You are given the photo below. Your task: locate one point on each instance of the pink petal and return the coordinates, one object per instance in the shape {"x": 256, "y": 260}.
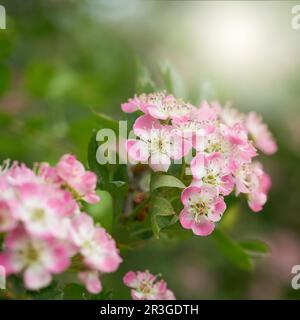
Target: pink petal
{"x": 36, "y": 277}
{"x": 130, "y": 279}
{"x": 160, "y": 162}
{"x": 186, "y": 219}
{"x": 137, "y": 150}
{"x": 204, "y": 228}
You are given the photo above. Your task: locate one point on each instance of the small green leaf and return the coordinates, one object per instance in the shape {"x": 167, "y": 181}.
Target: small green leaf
{"x": 232, "y": 251}
{"x": 159, "y": 181}
{"x": 255, "y": 247}
{"x": 162, "y": 215}
{"x": 161, "y": 207}
{"x": 106, "y": 121}
{"x": 102, "y": 212}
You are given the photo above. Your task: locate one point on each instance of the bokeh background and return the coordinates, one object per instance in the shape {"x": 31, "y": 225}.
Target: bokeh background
{"x": 59, "y": 59}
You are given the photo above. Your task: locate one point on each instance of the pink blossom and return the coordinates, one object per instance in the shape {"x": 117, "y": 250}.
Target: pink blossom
{"x": 253, "y": 181}
{"x": 19, "y": 174}
{"x": 82, "y": 183}
{"x": 260, "y": 133}
{"x": 91, "y": 281}
{"x": 202, "y": 208}
{"x": 95, "y": 245}
{"x": 159, "y": 105}
{"x": 228, "y": 115}
{"x": 157, "y": 144}
{"x": 37, "y": 259}
{"x": 7, "y": 218}
{"x": 43, "y": 209}
{"x": 145, "y": 286}
{"x": 142, "y": 102}
{"x": 170, "y": 108}
{"x": 200, "y": 122}
{"x": 212, "y": 171}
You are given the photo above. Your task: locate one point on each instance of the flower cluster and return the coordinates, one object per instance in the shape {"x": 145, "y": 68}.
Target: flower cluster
{"x": 44, "y": 228}
{"x": 145, "y": 286}
{"x": 225, "y": 142}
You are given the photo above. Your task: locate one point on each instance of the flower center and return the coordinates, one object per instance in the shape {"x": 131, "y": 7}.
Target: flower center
{"x": 210, "y": 179}
{"x": 198, "y": 209}
{"x": 38, "y": 214}
{"x": 145, "y": 287}
{"x": 31, "y": 255}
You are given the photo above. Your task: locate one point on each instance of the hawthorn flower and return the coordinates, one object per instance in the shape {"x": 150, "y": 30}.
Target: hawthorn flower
{"x": 251, "y": 180}
{"x": 212, "y": 171}
{"x": 43, "y": 209}
{"x": 142, "y": 102}
{"x": 157, "y": 144}
{"x": 203, "y": 206}
{"x": 260, "y": 133}
{"x": 94, "y": 244}
{"x": 159, "y": 105}
{"x": 229, "y": 115}
{"x": 43, "y": 227}
{"x": 200, "y": 122}
{"x": 37, "y": 259}
{"x": 231, "y": 143}
{"x": 170, "y": 108}
{"x": 145, "y": 286}
{"x": 81, "y": 183}
{"x": 7, "y": 218}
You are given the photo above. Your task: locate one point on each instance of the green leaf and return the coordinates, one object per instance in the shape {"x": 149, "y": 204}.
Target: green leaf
{"x": 102, "y": 212}
{"x": 230, "y": 217}
{"x": 162, "y": 207}
{"x": 106, "y": 121}
{"x": 159, "y": 181}
{"x": 53, "y": 292}
{"x": 172, "y": 80}
{"x": 162, "y": 214}
{"x": 232, "y": 251}
{"x": 255, "y": 247}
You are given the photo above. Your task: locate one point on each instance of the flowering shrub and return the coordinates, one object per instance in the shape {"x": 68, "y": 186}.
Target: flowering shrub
{"x": 224, "y": 141}
{"x": 186, "y": 162}
{"x": 45, "y": 228}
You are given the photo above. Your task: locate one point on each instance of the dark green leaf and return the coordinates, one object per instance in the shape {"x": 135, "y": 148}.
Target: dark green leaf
{"x": 107, "y": 122}
{"x": 232, "y": 251}
{"x": 255, "y": 247}
{"x": 162, "y": 214}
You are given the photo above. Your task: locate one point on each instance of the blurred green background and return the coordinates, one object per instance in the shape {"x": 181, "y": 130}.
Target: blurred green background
{"x": 59, "y": 59}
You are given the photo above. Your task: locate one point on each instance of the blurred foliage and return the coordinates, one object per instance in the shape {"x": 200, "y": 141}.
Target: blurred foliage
{"x": 64, "y": 64}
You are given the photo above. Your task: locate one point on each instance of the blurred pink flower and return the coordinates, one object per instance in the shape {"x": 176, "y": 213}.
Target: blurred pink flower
{"x": 145, "y": 286}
